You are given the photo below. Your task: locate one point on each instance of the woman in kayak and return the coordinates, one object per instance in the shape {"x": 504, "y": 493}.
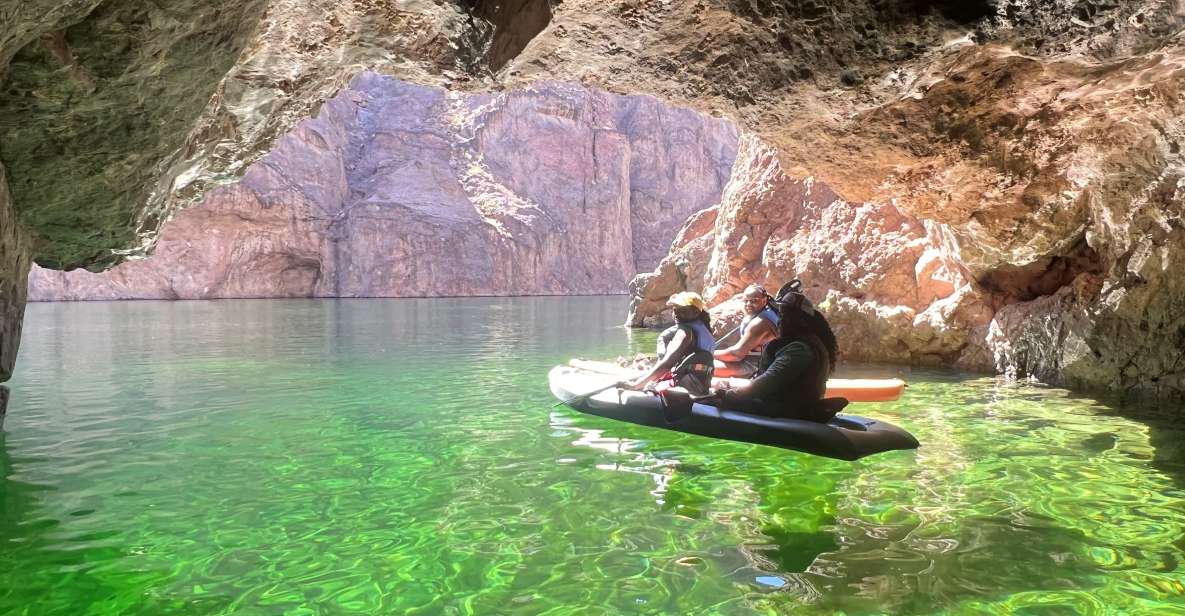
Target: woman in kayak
{"x": 759, "y": 328}
{"x": 685, "y": 349}
{"x": 792, "y": 378}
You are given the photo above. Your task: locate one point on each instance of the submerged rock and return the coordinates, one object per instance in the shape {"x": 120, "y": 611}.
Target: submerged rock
{"x": 398, "y": 190}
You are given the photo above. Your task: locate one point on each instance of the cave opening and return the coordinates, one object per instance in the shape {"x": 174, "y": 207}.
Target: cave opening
{"x": 1044, "y": 276}
{"x": 591, "y": 188}
{"x": 501, "y": 29}
{"x": 964, "y": 12}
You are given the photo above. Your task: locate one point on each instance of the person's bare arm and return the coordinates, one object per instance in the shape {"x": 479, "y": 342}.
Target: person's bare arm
{"x": 666, "y": 363}
{"x": 754, "y": 336}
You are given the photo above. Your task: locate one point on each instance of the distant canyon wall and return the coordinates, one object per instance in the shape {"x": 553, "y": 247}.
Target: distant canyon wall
{"x": 1020, "y": 159}
{"x": 399, "y": 190}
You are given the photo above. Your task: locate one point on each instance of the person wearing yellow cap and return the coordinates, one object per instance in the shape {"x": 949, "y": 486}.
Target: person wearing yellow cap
{"x": 685, "y": 349}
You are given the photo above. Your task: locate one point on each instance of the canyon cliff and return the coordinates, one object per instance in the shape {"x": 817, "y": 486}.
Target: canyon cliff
{"x": 1019, "y": 159}
{"x": 1010, "y": 212}
{"x": 399, "y": 190}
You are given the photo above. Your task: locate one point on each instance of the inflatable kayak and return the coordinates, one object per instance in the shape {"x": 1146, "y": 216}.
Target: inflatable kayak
{"x": 855, "y": 390}
{"x": 845, "y": 437}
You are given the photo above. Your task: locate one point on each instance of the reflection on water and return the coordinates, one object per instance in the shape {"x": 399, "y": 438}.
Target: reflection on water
{"x": 403, "y": 456}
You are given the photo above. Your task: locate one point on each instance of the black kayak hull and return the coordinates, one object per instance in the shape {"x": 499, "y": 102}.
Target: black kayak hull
{"x": 846, "y": 437}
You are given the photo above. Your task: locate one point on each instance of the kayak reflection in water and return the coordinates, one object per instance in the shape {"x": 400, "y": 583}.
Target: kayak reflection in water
{"x": 685, "y": 349}
{"x": 792, "y": 377}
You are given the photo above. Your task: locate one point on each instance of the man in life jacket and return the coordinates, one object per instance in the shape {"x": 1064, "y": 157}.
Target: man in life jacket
{"x": 685, "y": 349}
{"x": 759, "y": 328}
{"x": 792, "y": 378}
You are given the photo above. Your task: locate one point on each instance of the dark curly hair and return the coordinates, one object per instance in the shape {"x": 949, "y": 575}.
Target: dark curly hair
{"x": 798, "y": 314}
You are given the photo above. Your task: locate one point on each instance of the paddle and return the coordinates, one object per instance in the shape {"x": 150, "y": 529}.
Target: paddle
{"x": 588, "y": 395}
{"x": 730, "y": 332}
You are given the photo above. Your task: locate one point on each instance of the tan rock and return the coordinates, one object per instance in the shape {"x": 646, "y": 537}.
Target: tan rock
{"x": 886, "y": 285}
{"x": 15, "y": 258}
{"x": 935, "y": 278}
{"x": 1029, "y": 145}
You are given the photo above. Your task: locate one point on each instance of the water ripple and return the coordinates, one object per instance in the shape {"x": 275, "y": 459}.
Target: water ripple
{"x": 404, "y": 457}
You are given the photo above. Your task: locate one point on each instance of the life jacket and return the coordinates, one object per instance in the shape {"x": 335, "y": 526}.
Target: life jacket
{"x": 701, "y": 337}
{"x": 767, "y": 313}
{"x": 694, "y": 369}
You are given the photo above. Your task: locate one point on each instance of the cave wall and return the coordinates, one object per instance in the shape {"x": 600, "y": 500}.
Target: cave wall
{"x": 15, "y": 259}
{"x": 1037, "y": 141}
{"x": 97, "y": 106}
{"x": 889, "y": 287}
{"x": 1033, "y": 149}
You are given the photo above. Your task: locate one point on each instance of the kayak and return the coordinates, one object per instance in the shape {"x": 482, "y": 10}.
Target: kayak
{"x": 845, "y": 437}
{"x": 855, "y": 390}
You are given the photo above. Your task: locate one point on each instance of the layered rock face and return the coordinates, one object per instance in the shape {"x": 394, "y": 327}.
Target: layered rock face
{"x": 398, "y": 190}
{"x": 1037, "y": 142}
{"x": 1049, "y": 183}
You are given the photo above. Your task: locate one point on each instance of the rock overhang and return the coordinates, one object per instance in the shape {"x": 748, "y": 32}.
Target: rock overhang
{"x": 905, "y": 103}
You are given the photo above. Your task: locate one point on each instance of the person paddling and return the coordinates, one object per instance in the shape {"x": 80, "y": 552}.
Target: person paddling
{"x": 685, "y": 349}
{"x": 759, "y": 328}
{"x": 792, "y": 378}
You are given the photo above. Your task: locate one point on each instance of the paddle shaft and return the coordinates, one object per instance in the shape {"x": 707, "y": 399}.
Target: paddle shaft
{"x": 589, "y": 394}
{"x": 730, "y": 332}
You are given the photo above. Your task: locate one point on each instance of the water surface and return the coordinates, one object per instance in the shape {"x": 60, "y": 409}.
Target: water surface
{"x": 403, "y": 456}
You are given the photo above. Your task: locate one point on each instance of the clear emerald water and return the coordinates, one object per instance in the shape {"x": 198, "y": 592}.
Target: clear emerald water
{"x": 403, "y": 457}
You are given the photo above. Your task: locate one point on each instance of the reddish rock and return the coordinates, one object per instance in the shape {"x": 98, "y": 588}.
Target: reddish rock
{"x": 888, "y": 286}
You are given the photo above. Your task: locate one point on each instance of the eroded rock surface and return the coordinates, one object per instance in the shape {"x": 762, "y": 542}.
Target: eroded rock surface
{"x": 1044, "y": 165}
{"x": 97, "y": 100}
{"x": 397, "y": 190}
{"x": 887, "y": 284}
{"x": 14, "y": 268}
{"x": 1037, "y": 142}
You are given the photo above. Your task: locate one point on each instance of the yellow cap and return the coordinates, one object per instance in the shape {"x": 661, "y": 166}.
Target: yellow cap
{"x": 687, "y": 298}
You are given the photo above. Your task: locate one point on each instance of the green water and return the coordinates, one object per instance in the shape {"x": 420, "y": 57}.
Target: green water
{"x": 403, "y": 457}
